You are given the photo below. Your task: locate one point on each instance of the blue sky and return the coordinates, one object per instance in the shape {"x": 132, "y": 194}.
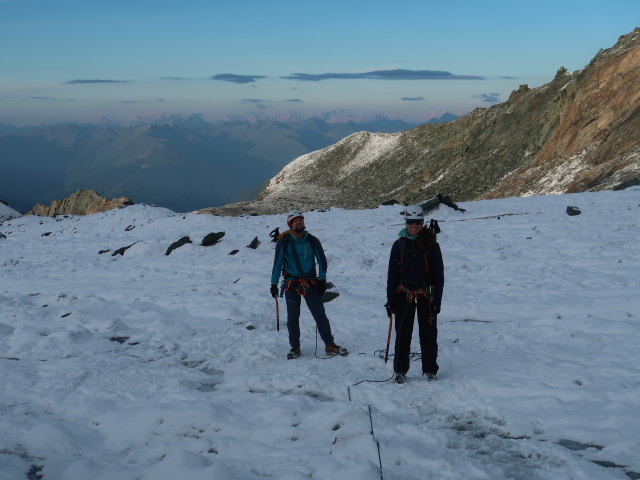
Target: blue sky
{"x": 82, "y": 60}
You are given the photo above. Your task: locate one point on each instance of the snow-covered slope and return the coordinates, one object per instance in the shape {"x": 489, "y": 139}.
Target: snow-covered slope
{"x": 148, "y": 366}
{"x": 7, "y": 213}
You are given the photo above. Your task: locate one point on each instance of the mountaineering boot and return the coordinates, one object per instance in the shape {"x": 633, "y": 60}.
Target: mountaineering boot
{"x": 399, "y": 378}
{"x": 332, "y": 349}
{"x": 294, "y": 353}
{"x": 431, "y": 377}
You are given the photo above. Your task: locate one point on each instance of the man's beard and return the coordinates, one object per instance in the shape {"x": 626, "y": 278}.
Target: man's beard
{"x": 298, "y": 229}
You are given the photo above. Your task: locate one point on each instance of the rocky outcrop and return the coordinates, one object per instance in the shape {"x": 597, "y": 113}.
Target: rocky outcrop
{"x": 579, "y": 132}
{"x": 81, "y": 202}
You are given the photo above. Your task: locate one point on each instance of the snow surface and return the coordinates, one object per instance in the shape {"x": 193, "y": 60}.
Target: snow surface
{"x": 539, "y": 349}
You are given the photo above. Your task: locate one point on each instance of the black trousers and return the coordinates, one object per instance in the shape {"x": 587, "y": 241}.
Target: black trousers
{"x": 428, "y": 336}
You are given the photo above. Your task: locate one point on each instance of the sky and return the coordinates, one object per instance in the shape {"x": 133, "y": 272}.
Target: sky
{"x": 74, "y": 60}
{"x": 147, "y": 366}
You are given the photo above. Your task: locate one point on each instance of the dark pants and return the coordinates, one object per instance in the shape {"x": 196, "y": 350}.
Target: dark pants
{"x": 428, "y": 336}
{"x": 316, "y": 307}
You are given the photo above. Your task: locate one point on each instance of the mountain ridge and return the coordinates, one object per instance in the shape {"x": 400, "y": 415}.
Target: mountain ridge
{"x": 579, "y": 132}
{"x": 180, "y": 163}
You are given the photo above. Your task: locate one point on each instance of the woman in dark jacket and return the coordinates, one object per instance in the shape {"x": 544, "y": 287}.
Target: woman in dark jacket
{"x": 414, "y": 282}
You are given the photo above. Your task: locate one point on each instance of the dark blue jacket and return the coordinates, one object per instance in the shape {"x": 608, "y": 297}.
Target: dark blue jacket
{"x": 415, "y": 268}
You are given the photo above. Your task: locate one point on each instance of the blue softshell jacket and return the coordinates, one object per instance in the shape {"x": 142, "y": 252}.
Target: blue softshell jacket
{"x": 296, "y": 258}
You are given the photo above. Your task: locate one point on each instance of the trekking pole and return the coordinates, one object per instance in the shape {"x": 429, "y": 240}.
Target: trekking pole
{"x": 386, "y": 354}
{"x": 277, "y": 316}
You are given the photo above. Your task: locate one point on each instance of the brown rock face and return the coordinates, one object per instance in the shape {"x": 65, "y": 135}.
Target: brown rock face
{"x": 579, "y": 132}
{"x": 597, "y": 141}
{"x": 81, "y": 202}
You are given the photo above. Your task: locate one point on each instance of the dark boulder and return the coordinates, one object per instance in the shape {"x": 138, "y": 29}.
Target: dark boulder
{"x": 572, "y": 211}
{"x": 121, "y": 251}
{"x": 254, "y": 243}
{"x": 178, "y": 244}
{"x": 212, "y": 239}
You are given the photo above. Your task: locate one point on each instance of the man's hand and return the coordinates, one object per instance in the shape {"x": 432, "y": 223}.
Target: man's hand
{"x": 322, "y": 286}
{"x": 435, "y": 309}
{"x": 274, "y": 290}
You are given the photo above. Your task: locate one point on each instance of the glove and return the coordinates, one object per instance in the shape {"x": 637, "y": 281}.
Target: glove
{"x": 322, "y": 286}
{"x": 435, "y": 309}
{"x": 274, "y": 290}
{"x": 391, "y": 307}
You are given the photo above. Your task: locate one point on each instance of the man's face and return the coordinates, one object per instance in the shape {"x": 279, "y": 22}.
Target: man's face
{"x": 298, "y": 225}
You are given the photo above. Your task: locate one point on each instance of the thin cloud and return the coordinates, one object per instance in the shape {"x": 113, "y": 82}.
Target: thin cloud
{"x": 398, "y": 74}
{"x": 488, "y": 97}
{"x": 84, "y": 81}
{"x": 254, "y": 100}
{"x": 155, "y": 100}
{"x": 233, "y": 78}
{"x": 505, "y": 77}
{"x": 176, "y": 78}
{"x": 50, "y": 99}
{"x": 293, "y": 100}
{"x": 413, "y": 99}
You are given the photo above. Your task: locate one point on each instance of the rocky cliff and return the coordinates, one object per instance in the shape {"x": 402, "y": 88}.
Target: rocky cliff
{"x": 579, "y": 132}
{"x": 81, "y": 202}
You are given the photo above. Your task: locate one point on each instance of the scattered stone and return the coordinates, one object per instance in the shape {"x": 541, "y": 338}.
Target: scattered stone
{"x": 573, "y": 445}
{"x": 64, "y": 315}
{"x": 178, "y": 244}
{"x": 212, "y": 239}
{"x": 104, "y": 251}
{"x": 119, "y": 339}
{"x": 393, "y": 201}
{"x": 46, "y": 234}
{"x": 250, "y": 327}
{"x": 121, "y": 251}
{"x": 572, "y": 211}
{"x": 129, "y": 228}
{"x": 2, "y": 235}
{"x": 233, "y": 252}
{"x": 254, "y": 243}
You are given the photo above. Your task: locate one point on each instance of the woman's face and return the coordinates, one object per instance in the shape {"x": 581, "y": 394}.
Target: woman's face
{"x": 414, "y": 227}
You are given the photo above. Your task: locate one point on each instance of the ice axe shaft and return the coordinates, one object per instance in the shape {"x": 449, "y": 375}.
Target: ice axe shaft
{"x": 386, "y": 354}
{"x": 277, "y": 316}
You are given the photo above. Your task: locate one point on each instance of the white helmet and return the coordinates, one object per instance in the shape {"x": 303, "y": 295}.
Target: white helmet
{"x": 414, "y": 212}
{"x": 292, "y": 216}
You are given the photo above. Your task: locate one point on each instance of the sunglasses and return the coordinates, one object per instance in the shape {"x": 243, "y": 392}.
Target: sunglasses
{"x": 415, "y": 222}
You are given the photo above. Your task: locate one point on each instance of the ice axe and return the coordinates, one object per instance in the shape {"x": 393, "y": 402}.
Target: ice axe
{"x": 277, "y": 315}
{"x": 386, "y": 353}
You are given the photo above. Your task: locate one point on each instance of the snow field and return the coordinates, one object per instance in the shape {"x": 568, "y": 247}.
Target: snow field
{"x": 147, "y": 366}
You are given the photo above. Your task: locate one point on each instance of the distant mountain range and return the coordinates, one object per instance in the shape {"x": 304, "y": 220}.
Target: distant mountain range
{"x": 180, "y": 163}
{"x": 580, "y": 132}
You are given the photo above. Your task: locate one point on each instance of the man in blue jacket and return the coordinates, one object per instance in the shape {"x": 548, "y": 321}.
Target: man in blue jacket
{"x": 414, "y": 282}
{"x": 295, "y": 258}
